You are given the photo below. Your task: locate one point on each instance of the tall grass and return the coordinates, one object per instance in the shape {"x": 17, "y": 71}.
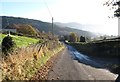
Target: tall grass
{"x": 25, "y": 62}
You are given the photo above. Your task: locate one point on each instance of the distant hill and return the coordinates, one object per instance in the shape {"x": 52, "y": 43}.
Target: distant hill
{"x": 75, "y": 25}
{"x": 70, "y": 24}
{"x": 42, "y": 26}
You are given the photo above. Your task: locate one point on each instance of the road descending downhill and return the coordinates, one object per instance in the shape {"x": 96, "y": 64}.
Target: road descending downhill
{"x": 72, "y": 65}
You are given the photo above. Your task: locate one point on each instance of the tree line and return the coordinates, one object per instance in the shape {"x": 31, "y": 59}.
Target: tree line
{"x": 72, "y": 37}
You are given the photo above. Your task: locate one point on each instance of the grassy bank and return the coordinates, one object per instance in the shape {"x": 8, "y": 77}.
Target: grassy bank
{"x": 23, "y": 64}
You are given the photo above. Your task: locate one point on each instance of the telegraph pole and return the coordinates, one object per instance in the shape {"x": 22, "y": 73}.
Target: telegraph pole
{"x": 51, "y": 16}
{"x": 52, "y": 28}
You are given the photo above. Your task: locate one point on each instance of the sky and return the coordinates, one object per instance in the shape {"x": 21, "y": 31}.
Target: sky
{"x": 87, "y": 12}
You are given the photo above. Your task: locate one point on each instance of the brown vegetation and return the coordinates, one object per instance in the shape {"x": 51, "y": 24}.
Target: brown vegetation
{"x": 25, "y": 62}
{"x": 25, "y": 29}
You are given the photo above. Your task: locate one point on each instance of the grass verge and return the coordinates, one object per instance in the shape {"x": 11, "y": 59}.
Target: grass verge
{"x": 24, "y": 64}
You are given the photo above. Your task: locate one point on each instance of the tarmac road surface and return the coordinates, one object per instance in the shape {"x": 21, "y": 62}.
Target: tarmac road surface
{"x": 73, "y": 65}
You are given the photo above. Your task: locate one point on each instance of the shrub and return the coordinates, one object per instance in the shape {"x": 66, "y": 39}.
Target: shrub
{"x": 82, "y": 39}
{"x": 7, "y": 45}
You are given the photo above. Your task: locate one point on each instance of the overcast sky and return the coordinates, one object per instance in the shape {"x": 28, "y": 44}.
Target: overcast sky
{"x": 81, "y": 11}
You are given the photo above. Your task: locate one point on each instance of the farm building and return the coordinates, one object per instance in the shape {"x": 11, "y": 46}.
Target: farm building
{"x": 9, "y": 30}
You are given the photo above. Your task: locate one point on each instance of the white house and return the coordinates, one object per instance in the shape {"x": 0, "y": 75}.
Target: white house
{"x": 9, "y": 30}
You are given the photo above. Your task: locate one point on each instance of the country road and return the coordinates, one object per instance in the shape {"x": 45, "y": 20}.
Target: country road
{"x": 73, "y": 65}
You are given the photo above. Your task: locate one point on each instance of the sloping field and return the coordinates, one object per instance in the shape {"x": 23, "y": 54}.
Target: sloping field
{"x": 20, "y": 40}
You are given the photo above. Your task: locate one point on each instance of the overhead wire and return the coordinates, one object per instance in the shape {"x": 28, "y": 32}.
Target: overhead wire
{"x": 48, "y": 8}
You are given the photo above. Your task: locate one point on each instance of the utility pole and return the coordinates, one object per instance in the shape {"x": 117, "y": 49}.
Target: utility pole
{"x": 52, "y": 28}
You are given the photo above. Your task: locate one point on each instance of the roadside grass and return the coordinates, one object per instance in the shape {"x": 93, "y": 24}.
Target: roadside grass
{"x": 21, "y": 40}
{"x": 32, "y": 68}
{"x": 25, "y": 63}
{"x": 22, "y": 64}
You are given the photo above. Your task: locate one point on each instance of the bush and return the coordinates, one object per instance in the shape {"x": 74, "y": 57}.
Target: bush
{"x": 82, "y": 39}
{"x": 7, "y": 45}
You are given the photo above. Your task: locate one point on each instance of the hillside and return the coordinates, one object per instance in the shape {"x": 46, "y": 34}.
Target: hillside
{"x": 70, "y": 24}
{"x": 43, "y": 26}
{"x": 25, "y": 29}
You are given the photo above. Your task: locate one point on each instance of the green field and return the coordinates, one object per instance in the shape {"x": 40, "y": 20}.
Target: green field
{"x": 21, "y": 40}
